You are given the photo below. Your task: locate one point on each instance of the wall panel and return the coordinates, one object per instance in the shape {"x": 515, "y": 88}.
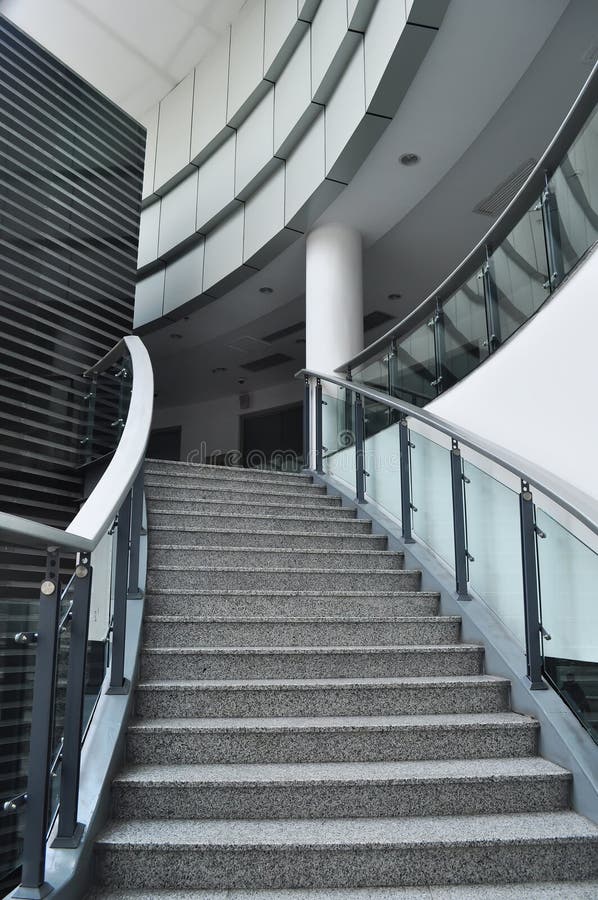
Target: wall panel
{"x": 246, "y": 59}
{"x": 177, "y": 218}
{"x": 173, "y": 150}
{"x": 210, "y": 97}
{"x": 255, "y": 147}
{"x": 216, "y": 185}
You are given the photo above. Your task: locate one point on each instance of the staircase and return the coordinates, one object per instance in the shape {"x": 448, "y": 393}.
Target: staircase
{"x": 306, "y": 719}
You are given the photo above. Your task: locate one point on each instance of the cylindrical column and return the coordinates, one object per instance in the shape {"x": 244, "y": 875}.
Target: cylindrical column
{"x": 333, "y": 297}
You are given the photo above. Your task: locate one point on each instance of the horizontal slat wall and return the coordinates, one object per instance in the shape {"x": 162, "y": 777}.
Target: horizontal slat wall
{"x": 71, "y": 173}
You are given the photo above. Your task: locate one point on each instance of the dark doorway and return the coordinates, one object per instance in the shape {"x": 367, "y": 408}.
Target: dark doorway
{"x": 273, "y": 439}
{"x": 165, "y": 443}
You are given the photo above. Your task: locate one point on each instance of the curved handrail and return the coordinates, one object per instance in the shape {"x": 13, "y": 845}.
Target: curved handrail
{"x": 95, "y": 516}
{"x": 519, "y": 205}
{"x": 569, "y": 498}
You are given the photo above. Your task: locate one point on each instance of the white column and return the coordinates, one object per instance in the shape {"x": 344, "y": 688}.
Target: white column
{"x": 333, "y": 305}
{"x": 333, "y": 297}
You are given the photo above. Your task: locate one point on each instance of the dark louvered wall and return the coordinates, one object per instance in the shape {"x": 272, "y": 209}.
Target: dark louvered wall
{"x": 71, "y": 167}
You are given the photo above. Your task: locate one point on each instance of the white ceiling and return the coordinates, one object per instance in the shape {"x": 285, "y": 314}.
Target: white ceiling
{"x": 134, "y": 51}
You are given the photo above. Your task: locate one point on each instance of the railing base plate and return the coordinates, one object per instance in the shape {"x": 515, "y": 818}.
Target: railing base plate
{"x": 123, "y": 689}
{"x": 69, "y": 843}
{"x": 33, "y": 893}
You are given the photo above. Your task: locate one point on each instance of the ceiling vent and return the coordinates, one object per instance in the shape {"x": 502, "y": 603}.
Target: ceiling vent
{"x": 501, "y": 196}
{"x": 375, "y": 319}
{"x": 284, "y": 332}
{"x": 266, "y": 362}
{"x": 247, "y": 344}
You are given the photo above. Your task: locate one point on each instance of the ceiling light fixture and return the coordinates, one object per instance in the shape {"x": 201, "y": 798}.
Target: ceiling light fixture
{"x": 409, "y": 159}
{"x": 218, "y": 370}
{"x": 176, "y": 337}
{"x": 266, "y": 290}
{"x": 394, "y": 296}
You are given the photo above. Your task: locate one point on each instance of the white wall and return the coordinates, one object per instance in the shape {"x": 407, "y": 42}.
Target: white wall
{"x": 537, "y": 395}
{"x": 214, "y": 425}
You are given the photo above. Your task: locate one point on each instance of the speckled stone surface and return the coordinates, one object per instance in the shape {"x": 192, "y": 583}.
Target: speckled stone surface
{"x": 309, "y": 662}
{"x": 292, "y": 539}
{"x": 329, "y": 520}
{"x": 291, "y": 603}
{"x": 329, "y": 739}
{"x": 332, "y": 790}
{"x": 348, "y": 852}
{"x": 227, "y": 493}
{"x": 349, "y": 696}
{"x": 193, "y": 482}
{"x": 258, "y": 557}
{"x": 280, "y": 508}
{"x": 276, "y": 579}
{"x": 174, "y": 631}
{"x": 226, "y": 473}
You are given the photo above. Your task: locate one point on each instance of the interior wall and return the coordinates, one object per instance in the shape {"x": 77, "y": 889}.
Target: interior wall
{"x": 214, "y": 426}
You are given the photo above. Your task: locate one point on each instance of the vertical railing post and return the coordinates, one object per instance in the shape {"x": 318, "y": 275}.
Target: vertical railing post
{"x": 491, "y": 302}
{"x": 136, "y": 519}
{"x": 69, "y": 831}
{"x": 87, "y": 441}
{"x": 406, "y": 504}
{"x": 319, "y": 403}
{"x": 360, "y": 473}
{"x": 530, "y": 588}
{"x": 33, "y": 882}
{"x": 393, "y": 377}
{"x": 306, "y": 417}
{"x": 461, "y": 552}
{"x": 439, "y": 348}
{"x": 552, "y": 237}
{"x": 118, "y": 683}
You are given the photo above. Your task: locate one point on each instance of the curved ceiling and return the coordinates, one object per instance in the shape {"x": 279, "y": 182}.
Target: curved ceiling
{"x": 134, "y": 51}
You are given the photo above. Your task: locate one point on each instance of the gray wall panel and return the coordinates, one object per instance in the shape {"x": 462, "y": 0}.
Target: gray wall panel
{"x": 255, "y": 146}
{"x": 305, "y": 168}
{"x": 216, "y": 185}
{"x": 345, "y": 109}
{"x": 224, "y": 250}
{"x": 306, "y": 9}
{"x": 328, "y": 31}
{"x": 150, "y": 122}
{"x": 184, "y": 278}
{"x": 264, "y": 214}
{"x": 174, "y": 133}
{"x": 210, "y": 99}
{"x": 386, "y": 25}
{"x": 292, "y": 99}
{"x": 282, "y": 32}
{"x": 177, "y": 219}
{"x": 149, "y": 298}
{"x": 246, "y": 58}
{"x": 149, "y": 227}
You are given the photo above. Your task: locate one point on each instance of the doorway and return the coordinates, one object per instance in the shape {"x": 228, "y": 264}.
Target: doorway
{"x": 273, "y": 439}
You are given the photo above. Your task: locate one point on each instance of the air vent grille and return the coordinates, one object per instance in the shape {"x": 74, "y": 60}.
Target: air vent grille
{"x": 501, "y": 196}
{"x": 285, "y": 332}
{"x": 375, "y": 319}
{"x": 267, "y": 362}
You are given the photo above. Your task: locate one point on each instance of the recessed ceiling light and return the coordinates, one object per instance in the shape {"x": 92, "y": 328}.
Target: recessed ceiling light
{"x": 266, "y": 290}
{"x": 409, "y": 159}
{"x": 176, "y": 337}
{"x": 218, "y": 370}
{"x": 394, "y": 296}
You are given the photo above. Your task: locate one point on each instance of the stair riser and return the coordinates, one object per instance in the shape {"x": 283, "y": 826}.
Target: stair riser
{"x": 219, "y": 473}
{"x": 275, "y": 522}
{"x": 292, "y": 559}
{"x": 256, "y": 498}
{"x": 353, "y": 700}
{"x": 248, "y": 538}
{"x": 246, "y": 486}
{"x": 395, "y": 664}
{"x": 237, "y": 605}
{"x": 265, "y": 580}
{"x": 298, "y": 634}
{"x": 279, "y": 515}
{"x": 348, "y": 866}
{"x": 358, "y": 745}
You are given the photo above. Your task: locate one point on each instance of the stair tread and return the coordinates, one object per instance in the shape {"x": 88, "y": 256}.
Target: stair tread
{"x": 336, "y": 723}
{"x": 303, "y": 570}
{"x": 230, "y": 471}
{"x": 307, "y": 651}
{"x": 308, "y": 683}
{"x": 197, "y": 592}
{"x": 246, "y": 620}
{"x": 279, "y": 534}
{"x": 514, "y": 828}
{"x": 465, "y": 770}
{"x": 312, "y": 551}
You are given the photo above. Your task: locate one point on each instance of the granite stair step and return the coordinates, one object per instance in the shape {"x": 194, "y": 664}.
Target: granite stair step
{"x": 182, "y": 663}
{"x": 365, "y": 738}
{"x": 296, "y": 539}
{"x": 327, "y": 508}
{"x": 357, "y": 852}
{"x": 192, "y": 481}
{"x": 226, "y": 578}
{"x": 323, "y": 697}
{"x": 227, "y": 493}
{"x": 256, "y": 557}
{"x": 277, "y": 522}
{"x": 291, "y": 603}
{"x": 340, "y": 790}
{"x": 224, "y": 473}
{"x": 187, "y": 631}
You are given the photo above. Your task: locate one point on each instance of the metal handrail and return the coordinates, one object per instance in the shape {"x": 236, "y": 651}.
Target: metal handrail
{"x": 519, "y": 205}
{"x": 94, "y": 518}
{"x": 571, "y": 499}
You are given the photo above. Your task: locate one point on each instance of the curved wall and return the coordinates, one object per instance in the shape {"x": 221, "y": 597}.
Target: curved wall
{"x": 250, "y": 148}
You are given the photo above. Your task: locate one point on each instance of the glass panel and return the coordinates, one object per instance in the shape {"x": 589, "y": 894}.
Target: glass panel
{"x": 374, "y": 374}
{"x": 575, "y": 186}
{"x": 416, "y": 367}
{"x": 568, "y": 583}
{"x": 338, "y": 436}
{"x": 432, "y": 496}
{"x": 377, "y": 417}
{"x": 107, "y": 407}
{"x": 464, "y": 331}
{"x": 519, "y": 270}
{"x": 382, "y": 461}
{"x": 494, "y": 541}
